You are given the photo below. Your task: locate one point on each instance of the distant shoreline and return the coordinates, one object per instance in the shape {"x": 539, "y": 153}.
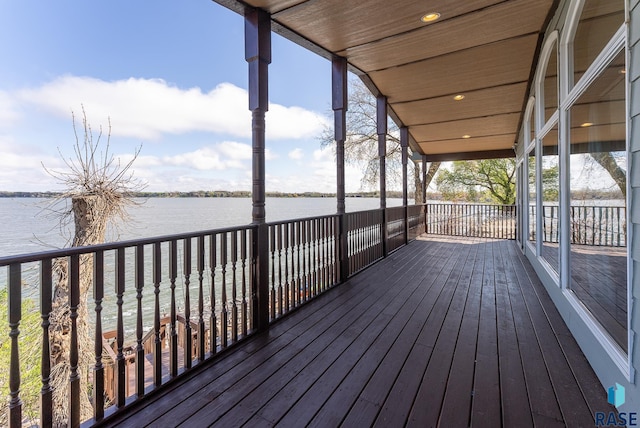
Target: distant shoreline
{"x": 212, "y": 194}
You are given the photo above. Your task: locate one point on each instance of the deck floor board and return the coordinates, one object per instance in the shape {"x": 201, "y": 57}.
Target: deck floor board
{"x": 446, "y": 331}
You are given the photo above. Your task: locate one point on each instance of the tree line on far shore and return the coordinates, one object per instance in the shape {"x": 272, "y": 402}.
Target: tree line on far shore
{"x": 212, "y": 194}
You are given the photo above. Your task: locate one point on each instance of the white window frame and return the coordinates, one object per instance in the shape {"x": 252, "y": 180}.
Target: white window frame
{"x": 529, "y": 145}
{"x": 542, "y": 129}
{"x": 569, "y": 94}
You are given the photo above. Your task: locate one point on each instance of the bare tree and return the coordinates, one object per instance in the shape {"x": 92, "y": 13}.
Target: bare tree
{"x": 361, "y": 145}
{"x": 99, "y": 189}
{"x": 431, "y": 173}
{"x": 607, "y": 161}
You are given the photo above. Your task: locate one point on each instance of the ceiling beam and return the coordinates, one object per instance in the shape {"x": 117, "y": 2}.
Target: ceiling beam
{"x": 486, "y": 154}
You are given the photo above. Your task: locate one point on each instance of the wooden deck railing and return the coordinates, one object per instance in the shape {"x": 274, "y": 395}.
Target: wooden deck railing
{"x": 481, "y": 220}
{"x": 416, "y": 220}
{"x": 590, "y": 225}
{"x": 395, "y": 228}
{"x": 201, "y": 277}
{"x": 303, "y": 261}
{"x": 163, "y": 305}
{"x": 364, "y": 239}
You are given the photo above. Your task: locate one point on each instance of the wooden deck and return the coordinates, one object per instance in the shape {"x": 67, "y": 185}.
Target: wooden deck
{"x": 445, "y": 331}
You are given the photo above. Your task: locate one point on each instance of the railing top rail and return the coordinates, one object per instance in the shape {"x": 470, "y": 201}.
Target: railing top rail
{"x": 63, "y": 252}
{"x": 398, "y": 208}
{"x": 590, "y": 206}
{"x": 470, "y": 203}
{"x": 375, "y": 210}
{"x": 320, "y": 217}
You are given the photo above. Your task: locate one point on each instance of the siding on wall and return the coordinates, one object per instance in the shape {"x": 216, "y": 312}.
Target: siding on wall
{"x": 634, "y": 174}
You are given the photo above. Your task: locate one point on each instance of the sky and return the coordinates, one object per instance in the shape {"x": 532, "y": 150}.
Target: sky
{"x": 170, "y": 77}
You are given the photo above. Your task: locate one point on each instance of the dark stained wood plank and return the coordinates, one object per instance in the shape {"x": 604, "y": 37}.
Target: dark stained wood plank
{"x": 456, "y": 405}
{"x": 544, "y": 406}
{"x": 434, "y": 381}
{"x": 397, "y": 406}
{"x": 486, "y": 386}
{"x": 365, "y": 410}
{"x": 569, "y": 397}
{"x": 513, "y": 389}
{"x": 345, "y": 381}
{"x": 591, "y": 388}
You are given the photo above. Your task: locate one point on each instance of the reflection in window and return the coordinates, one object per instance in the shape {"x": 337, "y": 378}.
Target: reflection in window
{"x": 551, "y": 85}
{"x": 532, "y": 125}
{"x": 598, "y": 200}
{"x": 599, "y": 21}
{"x": 550, "y": 198}
{"x": 532, "y": 195}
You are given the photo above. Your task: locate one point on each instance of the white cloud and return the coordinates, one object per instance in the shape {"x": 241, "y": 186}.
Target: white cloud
{"x": 296, "y": 154}
{"x": 293, "y": 122}
{"x": 8, "y": 112}
{"x": 217, "y": 157}
{"x": 234, "y": 150}
{"x": 324, "y": 171}
{"x": 150, "y": 108}
{"x": 21, "y": 167}
{"x": 240, "y": 151}
{"x": 203, "y": 159}
{"x": 23, "y": 156}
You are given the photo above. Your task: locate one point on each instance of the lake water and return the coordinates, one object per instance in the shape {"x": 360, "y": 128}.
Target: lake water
{"x": 29, "y": 227}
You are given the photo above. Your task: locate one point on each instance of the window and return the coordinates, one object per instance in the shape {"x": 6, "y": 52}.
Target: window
{"x": 547, "y": 137}
{"x": 532, "y": 194}
{"x": 550, "y": 233}
{"x": 599, "y": 21}
{"x": 529, "y": 168}
{"x": 598, "y": 199}
{"x": 551, "y": 85}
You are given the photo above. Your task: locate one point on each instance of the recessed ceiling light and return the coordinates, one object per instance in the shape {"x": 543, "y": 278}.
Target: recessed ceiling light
{"x": 466, "y": 136}
{"x": 459, "y": 97}
{"x": 430, "y": 17}
{"x": 586, "y": 124}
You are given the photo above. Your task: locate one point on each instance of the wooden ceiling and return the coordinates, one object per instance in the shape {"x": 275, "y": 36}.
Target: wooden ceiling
{"x": 483, "y": 49}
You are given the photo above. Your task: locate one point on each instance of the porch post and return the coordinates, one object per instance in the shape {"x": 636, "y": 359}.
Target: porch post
{"x": 404, "y": 143}
{"x": 339, "y": 105}
{"x": 257, "y": 33}
{"x": 382, "y": 154}
{"x": 424, "y": 179}
{"x": 424, "y": 192}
